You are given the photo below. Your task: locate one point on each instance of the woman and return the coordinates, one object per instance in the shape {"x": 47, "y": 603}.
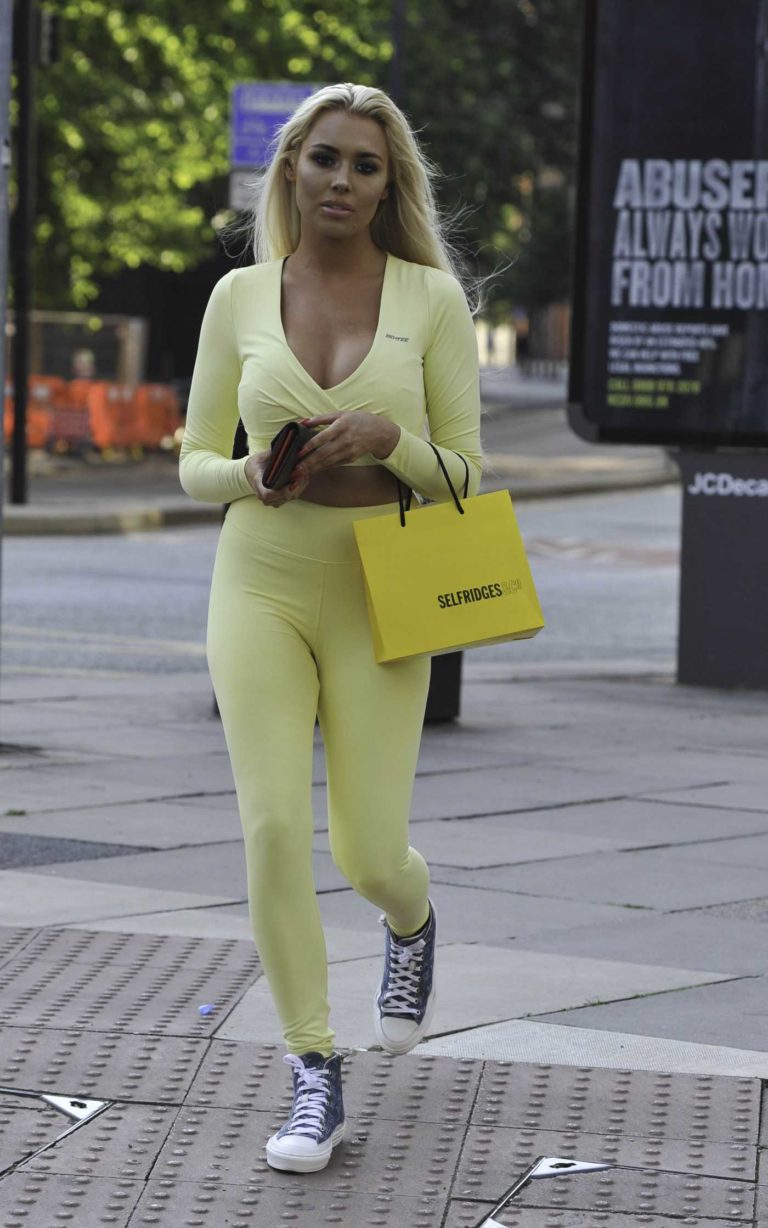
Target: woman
{"x": 351, "y": 321}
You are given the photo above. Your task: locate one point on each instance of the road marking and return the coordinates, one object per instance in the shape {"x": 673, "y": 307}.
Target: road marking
{"x": 105, "y": 640}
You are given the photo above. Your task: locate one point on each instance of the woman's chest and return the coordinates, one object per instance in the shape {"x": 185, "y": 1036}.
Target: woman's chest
{"x": 330, "y": 333}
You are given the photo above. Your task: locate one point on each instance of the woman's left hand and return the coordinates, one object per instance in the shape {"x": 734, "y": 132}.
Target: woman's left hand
{"x": 347, "y": 436}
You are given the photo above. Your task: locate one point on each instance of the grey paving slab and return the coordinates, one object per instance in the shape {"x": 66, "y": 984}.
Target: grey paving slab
{"x": 487, "y": 1153}
{"x": 12, "y": 940}
{"x": 648, "y": 1193}
{"x": 154, "y": 824}
{"x": 376, "y": 1157}
{"x": 103, "y": 1066}
{"x": 40, "y": 899}
{"x": 102, "y": 950}
{"x": 468, "y": 1215}
{"x": 762, "y": 1190}
{"x": 701, "y": 1109}
{"x": 736, "y": 795}
{"x": 124, "y": 1141}
{"x": 216, "y": 870}
{"x": 527, "y": 1040}
{"x": 22, "y": 849}
{"x": 736, "y": 1015}
{"x": 485, "y": 842}
{"x": 636, "y": 822}
{"x": 155, "y": 993}
{"x": 734, "y": 851}
{"x": 755, "y": 911}
{"x": 675, "y": 939}
{"x": 302, "y": 1203}
{"x": 476, "y": 986}
{"x": 505, "y": 790}
{"x": 469, "y": 914}
{"x": 376, "y": 1085}
{"x": 647, "y": 879}
{"x": 25, "y": 1125}
{"x": 24, "y": 790}
{"x": 81, "y": 1200}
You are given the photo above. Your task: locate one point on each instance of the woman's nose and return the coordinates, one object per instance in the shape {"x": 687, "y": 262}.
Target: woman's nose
{"x": 341, "y": 179}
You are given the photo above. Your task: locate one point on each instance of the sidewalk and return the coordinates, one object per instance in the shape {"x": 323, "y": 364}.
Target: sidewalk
{"x": 598, "y": 850}
{"x": 529, "y": 449}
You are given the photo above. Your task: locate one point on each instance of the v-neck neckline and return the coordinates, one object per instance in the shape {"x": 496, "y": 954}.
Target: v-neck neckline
{"x": 366, "y": 356}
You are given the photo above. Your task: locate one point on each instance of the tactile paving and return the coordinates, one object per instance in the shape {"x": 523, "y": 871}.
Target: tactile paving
{"x": 468, "y": 1215}
{"x": 493, "y": 1158}
{"x": 640, "y": 1103}
{"x": 105, "y": 1065}
{"x": 489, "y": 1150}
{"x": 651, "y": 1193}
{"x": 382, "y": 1157}
{"x": 12, "y": 940}
{"x": 105, "y": 948}
{"x": 25, "y": 1125}
{"x": 34, "y": 1200}
{"x": 168, "y": 1204}
{"x": 122, "y": 1142}
{"x": 76, "y": 983}
{"x": 375, "y": 1084}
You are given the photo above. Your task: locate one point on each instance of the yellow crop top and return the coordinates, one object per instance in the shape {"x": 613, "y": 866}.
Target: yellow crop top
{"x": 421, "y": 372}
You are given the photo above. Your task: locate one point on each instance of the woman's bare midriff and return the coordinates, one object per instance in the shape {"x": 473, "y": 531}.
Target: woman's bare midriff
{"x": 351, "y": 486}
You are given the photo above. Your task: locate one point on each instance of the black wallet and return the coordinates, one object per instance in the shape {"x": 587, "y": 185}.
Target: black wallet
{"x": 284, "y": 450}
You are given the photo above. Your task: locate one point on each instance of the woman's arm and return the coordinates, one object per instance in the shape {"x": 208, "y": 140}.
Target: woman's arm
{"x": 206, "y": 470}
{"x": 452, "y": 385}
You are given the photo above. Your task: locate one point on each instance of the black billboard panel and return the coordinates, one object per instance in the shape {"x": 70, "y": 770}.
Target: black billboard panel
{"x": 670, "y": 330}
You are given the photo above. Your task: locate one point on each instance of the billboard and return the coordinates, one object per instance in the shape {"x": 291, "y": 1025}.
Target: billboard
{"x": 670, "y": 334}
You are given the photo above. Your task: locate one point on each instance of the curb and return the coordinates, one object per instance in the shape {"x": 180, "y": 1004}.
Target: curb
{"x": 525, "y": 479}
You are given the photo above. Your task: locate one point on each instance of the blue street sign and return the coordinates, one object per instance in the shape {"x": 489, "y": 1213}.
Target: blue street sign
{"x": 258, "y": 110}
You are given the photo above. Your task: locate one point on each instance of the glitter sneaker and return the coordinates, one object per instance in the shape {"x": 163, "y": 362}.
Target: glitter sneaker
{"x": 406, "y": 999}
{"x": 316, "y": 1124}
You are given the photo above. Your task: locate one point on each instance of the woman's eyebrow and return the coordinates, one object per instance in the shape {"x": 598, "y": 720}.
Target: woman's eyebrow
{"x": 332, "y": 148}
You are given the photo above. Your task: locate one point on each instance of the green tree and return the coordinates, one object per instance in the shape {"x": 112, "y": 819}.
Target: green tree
{"x": 133, "y": 123}
{"x": 498, "y": 114}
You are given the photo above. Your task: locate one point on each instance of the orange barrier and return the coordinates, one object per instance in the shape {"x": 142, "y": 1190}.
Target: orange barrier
{"x": 39, "y": 413}
{"x": 103, "y": 413}
{"x": 157, "y": 413}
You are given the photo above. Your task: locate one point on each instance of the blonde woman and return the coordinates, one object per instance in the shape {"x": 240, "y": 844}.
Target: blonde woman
{"x": 352, "y": 321}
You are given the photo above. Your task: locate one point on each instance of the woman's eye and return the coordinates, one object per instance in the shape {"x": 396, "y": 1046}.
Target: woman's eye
{"x": 368, "y": 168}
{"x": 321, "y": 159}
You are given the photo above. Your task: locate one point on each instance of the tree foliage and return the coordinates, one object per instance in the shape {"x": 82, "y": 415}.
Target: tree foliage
{"x": 133, "y": 124}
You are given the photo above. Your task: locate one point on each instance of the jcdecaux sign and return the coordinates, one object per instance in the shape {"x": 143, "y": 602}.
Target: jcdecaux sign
{"x": 670, "y": 337}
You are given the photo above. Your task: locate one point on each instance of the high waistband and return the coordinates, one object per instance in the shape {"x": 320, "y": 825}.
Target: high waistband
{"x": 307, "y": 530}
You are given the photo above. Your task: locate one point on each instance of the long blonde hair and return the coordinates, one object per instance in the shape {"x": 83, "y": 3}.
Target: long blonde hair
{"x": 407, "y": 223}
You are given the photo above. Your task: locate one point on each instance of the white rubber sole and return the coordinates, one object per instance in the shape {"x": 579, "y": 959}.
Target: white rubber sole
{"x": 404, "y": 1046}
{"x": 280, "y": 1156}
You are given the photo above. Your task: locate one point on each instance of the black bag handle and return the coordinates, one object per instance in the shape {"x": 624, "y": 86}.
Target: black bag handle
{"x": 405, "y": 502}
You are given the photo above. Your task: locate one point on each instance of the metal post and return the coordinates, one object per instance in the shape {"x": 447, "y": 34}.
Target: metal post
{"x": 26, "y": 55}
{"x": 396, "y": 69}
{"x": 6, "y": 28}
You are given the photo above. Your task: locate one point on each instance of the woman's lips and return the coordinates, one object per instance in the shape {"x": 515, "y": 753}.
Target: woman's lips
{"x": 335, "y": 210}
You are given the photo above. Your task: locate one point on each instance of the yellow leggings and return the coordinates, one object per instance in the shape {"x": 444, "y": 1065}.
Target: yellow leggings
{"x": 289, "y": 640}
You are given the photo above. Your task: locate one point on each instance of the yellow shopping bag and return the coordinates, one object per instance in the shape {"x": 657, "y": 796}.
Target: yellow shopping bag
{"x": 447, "y": 576}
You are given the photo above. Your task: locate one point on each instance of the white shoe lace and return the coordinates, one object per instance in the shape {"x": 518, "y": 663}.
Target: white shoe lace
{"x": 404, "y": 977}
{"x": 311, "y": 1101}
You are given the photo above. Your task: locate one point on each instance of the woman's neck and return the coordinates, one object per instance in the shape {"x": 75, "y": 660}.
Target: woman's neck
{"x": 358, "y": 257}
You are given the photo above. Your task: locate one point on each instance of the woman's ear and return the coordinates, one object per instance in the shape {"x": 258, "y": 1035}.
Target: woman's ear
{"x": 290, "y": 170}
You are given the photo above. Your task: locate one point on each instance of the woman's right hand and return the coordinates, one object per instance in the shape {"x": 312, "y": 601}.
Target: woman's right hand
{"x": 254, "y": 471}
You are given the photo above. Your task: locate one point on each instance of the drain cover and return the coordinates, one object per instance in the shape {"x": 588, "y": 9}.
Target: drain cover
{"x": 543, "y": 1166}
{"x": 78, "y": 1109}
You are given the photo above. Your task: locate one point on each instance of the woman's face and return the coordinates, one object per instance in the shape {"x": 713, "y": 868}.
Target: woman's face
{"x": 341, "y": 173}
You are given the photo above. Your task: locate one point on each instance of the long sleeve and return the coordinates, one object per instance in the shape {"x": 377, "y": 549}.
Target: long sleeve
{"x": 206, "y": 469}
{"x": 452, "y": 385}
